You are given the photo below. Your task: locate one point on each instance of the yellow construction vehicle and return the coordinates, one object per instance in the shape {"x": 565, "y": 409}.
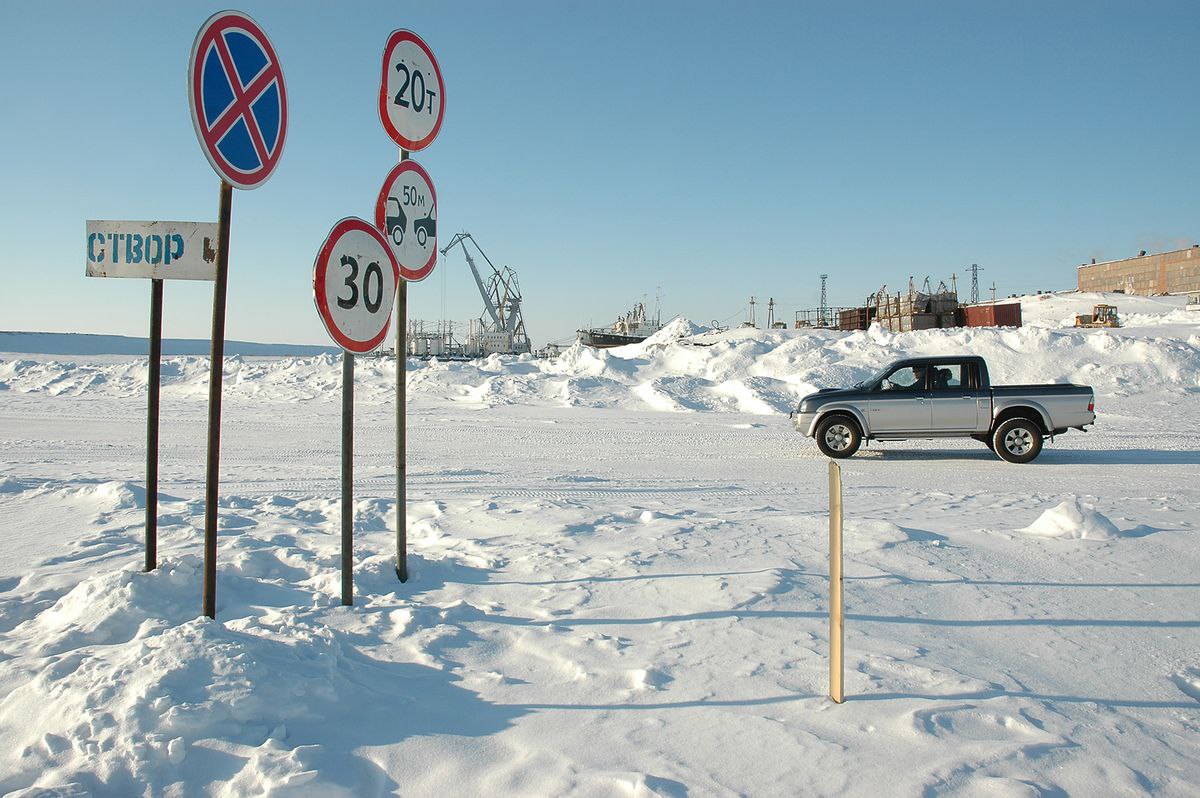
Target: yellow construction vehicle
{"x": 1101, "y": 316}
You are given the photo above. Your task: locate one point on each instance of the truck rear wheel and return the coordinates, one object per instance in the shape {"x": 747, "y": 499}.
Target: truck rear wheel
{"x": 1017, "y": 440}
{"x": 838, "y": 436}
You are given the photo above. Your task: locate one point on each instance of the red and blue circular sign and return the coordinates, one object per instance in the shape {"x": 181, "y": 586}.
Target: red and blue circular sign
{"x": 238, "y": 99}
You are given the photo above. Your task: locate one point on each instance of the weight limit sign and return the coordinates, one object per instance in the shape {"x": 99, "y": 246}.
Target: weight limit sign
{"x": 412, "y": 95}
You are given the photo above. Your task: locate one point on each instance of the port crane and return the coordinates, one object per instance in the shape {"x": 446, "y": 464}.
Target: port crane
{"x": 503, "y": 325}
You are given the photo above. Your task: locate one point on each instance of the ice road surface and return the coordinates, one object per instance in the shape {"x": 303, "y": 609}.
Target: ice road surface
{"x": 618, "y": 578}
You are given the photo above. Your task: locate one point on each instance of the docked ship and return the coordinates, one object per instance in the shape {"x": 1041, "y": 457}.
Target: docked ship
{"x": 631, "y": 328}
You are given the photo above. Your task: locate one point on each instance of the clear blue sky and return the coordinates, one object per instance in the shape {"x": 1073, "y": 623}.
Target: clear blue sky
{"x": 717, "y": 150}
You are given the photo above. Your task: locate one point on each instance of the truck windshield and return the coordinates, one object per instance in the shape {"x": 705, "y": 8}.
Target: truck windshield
{"x": 877, "y": 376}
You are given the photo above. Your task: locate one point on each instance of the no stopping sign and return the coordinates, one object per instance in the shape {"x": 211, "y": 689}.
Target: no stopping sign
{"x": 354, "y": 285}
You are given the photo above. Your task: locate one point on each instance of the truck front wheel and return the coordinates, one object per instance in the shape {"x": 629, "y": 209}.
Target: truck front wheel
{"x": 1017, "y": 440}
{"x": 838, "y": 436}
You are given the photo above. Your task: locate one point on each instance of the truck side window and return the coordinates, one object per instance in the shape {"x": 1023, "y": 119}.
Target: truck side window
{"x": 948, "y": 377}
{"x": 909, "y": 378}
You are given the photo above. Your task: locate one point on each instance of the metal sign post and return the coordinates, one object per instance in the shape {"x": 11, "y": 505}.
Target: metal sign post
{"x": 412, "y": 104}
{"x": 156, "y": 251}
{"x": 154, "y": 378}
{"x": 354, "y": 281}
{"x": 402, "y": 425}
{"x": 347, "y": 478}
{"x": 836, "y": 615}
{"x": 216, "y": 376}
{"x": 239, "y": 107}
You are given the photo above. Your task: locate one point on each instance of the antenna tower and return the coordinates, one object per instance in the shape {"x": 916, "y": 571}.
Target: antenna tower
{"x": 975, "y": 270}
{"x": 824, "y": 311}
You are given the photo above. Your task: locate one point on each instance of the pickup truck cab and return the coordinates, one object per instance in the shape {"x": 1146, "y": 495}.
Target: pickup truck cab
{"x": 943, "y": 397}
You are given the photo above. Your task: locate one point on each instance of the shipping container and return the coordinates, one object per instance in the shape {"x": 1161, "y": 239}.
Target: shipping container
{"x": 855, "y": 318}
{"x": 1006, "y": 315}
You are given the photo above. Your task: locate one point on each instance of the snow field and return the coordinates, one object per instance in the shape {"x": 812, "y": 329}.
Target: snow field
{"x": 618, "y": 580}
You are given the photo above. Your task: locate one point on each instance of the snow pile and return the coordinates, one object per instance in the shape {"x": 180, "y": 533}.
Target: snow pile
{"x": 1060, "y": 309}
{"x": 1073, "y": 520}
{"x": 676, "y": 329}
{"x": 123, "y": 680}
{"x": 683, "y": 367}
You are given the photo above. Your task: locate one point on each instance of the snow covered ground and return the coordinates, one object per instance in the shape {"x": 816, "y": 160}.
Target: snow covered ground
{"x": 618, "y": 578}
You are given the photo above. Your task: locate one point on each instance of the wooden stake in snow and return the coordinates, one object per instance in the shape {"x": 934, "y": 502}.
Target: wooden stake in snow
{"x": 836, "y": 619}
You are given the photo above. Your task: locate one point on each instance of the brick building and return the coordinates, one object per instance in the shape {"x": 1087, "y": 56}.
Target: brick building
{"x": 1176, "y": 272}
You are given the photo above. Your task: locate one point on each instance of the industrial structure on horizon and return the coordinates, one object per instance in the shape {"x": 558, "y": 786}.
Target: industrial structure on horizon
{"x": 929, "y": 309}
{"x": 501, "y": 327}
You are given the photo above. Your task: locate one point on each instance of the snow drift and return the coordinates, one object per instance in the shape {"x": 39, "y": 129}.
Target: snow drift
{"x": 681, "y": 368}
{"x": 1075, "y": 520}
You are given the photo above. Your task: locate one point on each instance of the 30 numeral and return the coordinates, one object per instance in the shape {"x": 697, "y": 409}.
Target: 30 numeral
{"x": 372, "y": 269}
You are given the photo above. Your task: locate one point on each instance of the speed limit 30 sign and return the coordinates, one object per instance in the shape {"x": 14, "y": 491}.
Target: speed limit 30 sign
{"x": 354, "y": 285}
{"x": 412, "y": 95}
{"x": 406, "y": 213}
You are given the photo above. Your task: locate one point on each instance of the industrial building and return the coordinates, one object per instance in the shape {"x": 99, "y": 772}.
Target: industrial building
{"x": 1176, "y": 272}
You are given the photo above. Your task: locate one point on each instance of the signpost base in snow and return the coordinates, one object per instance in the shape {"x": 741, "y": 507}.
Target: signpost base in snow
{"x": 347, "y": 478}
{"x": 215, "y": 379}
{"x": 156, "y": 304}
{"x": 836, "y": 620}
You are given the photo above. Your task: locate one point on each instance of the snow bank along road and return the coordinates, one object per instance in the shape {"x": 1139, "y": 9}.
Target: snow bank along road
{"x": 618, "y": 579}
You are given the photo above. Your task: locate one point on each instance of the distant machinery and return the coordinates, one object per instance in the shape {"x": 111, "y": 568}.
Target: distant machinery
{"x": 501, "y": 327}
{"x": 1101, "y": 316}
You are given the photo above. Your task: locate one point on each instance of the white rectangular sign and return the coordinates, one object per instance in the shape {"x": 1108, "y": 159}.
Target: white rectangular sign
{"x": 155, "y": 250}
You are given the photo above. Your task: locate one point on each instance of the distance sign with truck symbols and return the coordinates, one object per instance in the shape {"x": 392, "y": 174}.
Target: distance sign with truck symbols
{"x": 406, "y": 214}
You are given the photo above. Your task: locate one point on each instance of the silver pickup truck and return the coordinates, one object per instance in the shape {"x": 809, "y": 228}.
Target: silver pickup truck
{"x": 943, "y": 397}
